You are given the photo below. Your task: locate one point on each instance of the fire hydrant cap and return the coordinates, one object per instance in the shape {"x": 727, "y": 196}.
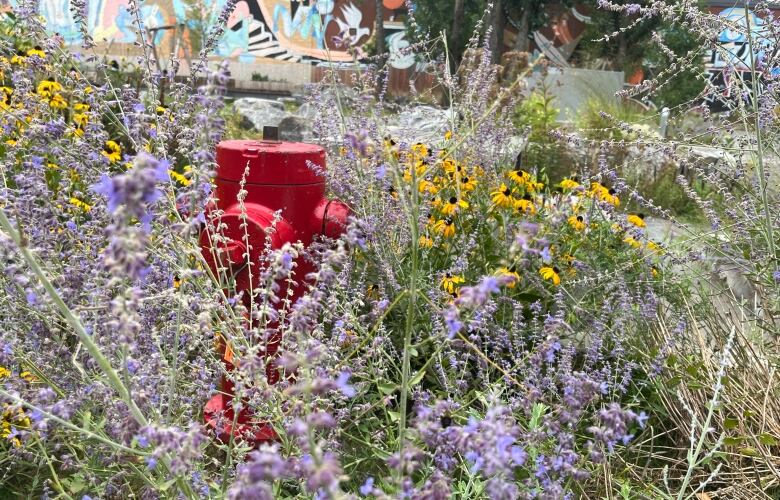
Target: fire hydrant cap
{"x": 270, "y": 162}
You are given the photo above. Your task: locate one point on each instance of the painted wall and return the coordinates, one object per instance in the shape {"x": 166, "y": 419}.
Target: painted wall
{"x": 285, "y": 30}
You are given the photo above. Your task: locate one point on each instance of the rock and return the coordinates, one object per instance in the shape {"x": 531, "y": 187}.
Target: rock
{"x": 295, "y": 129}
{"x": 257, "y": 113}
{"x": 306, "y": 111}
{"x": 421, "y": 123}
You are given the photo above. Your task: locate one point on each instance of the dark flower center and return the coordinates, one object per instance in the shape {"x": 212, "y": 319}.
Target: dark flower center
{"x": 453, "y": 200}
{"x": 507, "y": 192}
{"x": 579, "y": 218}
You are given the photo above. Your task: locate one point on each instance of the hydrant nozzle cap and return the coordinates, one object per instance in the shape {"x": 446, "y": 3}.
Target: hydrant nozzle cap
{"x": 270, "y": 163}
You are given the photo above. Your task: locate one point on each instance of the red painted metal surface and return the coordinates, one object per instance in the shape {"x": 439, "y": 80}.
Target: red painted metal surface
{"x": 278, "y": 177}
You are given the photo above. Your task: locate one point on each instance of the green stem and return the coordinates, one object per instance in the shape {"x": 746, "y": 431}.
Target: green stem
{"x": 759, "y": 143}
{"x": 73, "y": 321}
{"x": 410, "y": 313}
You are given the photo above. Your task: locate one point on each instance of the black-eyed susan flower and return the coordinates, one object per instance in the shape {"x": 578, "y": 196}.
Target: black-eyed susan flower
{"x": 467, "y": 183}
{"x": 112, "y": 151}
{"x": 36, "y": 51}
{"x": 654, "y": 247}
{"x": 426, "y": 186}
{"x": 448, "y": 135}
{"x": 551, "y": 274}
{"x": 176, "y": 282}
{"x": 637, "y": 219}
{"x": 425, "y": 241}
{"x": 445, "y": 227}
{"x": 431, "y": 219}
{"x": 502, "y": 197}
{"x": 19, "y": 58}
{"x": 181, "y": 179}
{"x": 58, "y": 102}
{"x": 86, "y": 207}
{"x": 632, "y": 242}
{"x": 568, "y": 184}
{"x": 577, "y": 222}
{"x": 420, "y": 150}
{"x": 450, "y": 282}
{"x": 610, "y": 197}
{"x": 4, "y": 372}
{"x": 525, "y": 205}
{"x": 510, "y": 272}
{"x": 80, "y": 107}
{"x": 453, "y": 205}
{"x": 47, "y": 88}
{"x": 519, "y": 176}
{"x": 5, "y": 97}
{"x": 392, "y": 191}
{"x": 80, "y": 119}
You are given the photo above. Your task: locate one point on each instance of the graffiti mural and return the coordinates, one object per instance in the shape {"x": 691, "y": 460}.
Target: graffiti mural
{"x": 730, "y": 61}
{"x": 308, "y": 31}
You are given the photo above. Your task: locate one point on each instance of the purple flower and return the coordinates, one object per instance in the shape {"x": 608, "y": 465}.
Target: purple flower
{"x": 341, "y": 383}
{"x": 367, "y": 487}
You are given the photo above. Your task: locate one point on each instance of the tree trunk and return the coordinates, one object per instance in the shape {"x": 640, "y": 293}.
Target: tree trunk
{"x": 622, "y": 49}
{"x": 497, "y": 23}
{"x": 379, "y": 30}
{"x": 522, "y": 42}
{"x": 456, "y": 48}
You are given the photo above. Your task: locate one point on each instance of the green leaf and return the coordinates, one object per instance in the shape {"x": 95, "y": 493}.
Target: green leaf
{"x": 386, "y": 387}
{"x": 767, "y": 439}
{"x": 731, "y": 423}
{"x": 733, "y": 440}
{"x": 751, "y": 452}
{"x": 394, "y": 415}
{"x": 417, "y": 378}
{"x": 167, "y": 484}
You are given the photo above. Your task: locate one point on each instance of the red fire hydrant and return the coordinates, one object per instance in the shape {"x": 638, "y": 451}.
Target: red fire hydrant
{"x": 280, "y": 178}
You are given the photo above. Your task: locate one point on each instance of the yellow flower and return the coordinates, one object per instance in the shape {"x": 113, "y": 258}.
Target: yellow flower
{"x": 551, "y": 274}
{"x": 176, "y": 282}
{"x": 533, "y": 186}
{"x": 632, "y": 241}
{"x": 448, "y": 135}
{"x": 5, "y": 97}
{"x": 569, "y": 184}
{"x": 80, "y": 107}
{"x": 577, "y": 222}
{"x": 450, "y": 282}
{"x": 453, "y": 205}
{"x": 525, "y": 205}
{"x": 502, "y": 197}
{"x": 467, "y": 183}
{"x": 426, "y": 186}
{"x": 48, "y": 88}
{"x": 179, "y": 178}
{"x": 393, "y": 192}
{"x": 654, "y": 247}
{"x": 519, "y": 176}
{"x": 80, "y": 204}
{"x": 421, "y": 150}
{"x": 112, "y": 151}
{"x": 19, "y": 59}
{"x": 425, "y": 242}
{"x": 28, "y": 377}
{"x": 58, "y": 102}
{"x": 512, "y": 273}
{"x": 36, "y": 51}
{"x": 638, "y": 220}
{"x": 4, "y": 372}
{"x": 445, "y": 227}
{"x": 610, "y": 197}
{"x": 654, "y": 271}
{"x": 80, "y": 119}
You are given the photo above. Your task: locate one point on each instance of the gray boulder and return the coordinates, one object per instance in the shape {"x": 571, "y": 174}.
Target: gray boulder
{"x": 295, "y": 129}
{"x": 257, "y": 113}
